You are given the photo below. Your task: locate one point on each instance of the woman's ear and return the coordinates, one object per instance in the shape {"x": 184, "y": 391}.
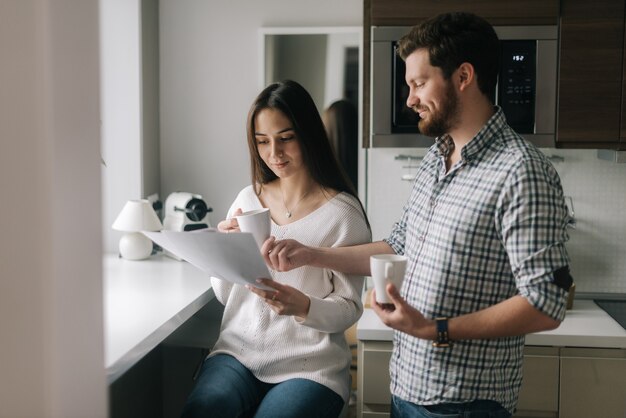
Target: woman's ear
{"x": 465, "y": 75}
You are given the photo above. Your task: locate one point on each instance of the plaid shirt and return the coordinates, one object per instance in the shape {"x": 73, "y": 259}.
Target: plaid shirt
{"x": 489, "y": 229}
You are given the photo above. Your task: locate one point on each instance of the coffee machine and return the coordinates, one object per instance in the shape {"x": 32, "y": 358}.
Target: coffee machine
{"x": 186, "y": 212}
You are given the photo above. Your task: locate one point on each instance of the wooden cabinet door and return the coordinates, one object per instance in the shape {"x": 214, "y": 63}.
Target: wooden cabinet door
{"x": 590, "y": 73}
{"x": 497, "y": 12}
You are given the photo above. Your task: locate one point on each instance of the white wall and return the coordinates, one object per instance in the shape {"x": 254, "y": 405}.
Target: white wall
{"x": 51, "y": 354}
{"x": 209, "y": 78}
{"x": 120, "y": 54}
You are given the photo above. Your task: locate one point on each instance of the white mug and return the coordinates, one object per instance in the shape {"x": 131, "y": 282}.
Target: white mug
{"x": 387, "y": 268}
{"x": 257, "y": 222}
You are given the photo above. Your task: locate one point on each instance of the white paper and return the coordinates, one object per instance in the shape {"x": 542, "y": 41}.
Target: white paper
{"x": 234, "y": 257}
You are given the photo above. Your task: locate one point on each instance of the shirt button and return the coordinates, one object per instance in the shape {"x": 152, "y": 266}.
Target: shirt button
{"x": 433, "y": 203}
{"x": 421, "y": 238}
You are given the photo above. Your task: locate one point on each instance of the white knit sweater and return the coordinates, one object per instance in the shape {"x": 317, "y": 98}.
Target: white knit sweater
{"x": 276, "y": 348}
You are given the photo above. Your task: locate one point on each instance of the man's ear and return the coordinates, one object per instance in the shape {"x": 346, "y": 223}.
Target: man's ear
{"x": 465, "y": 75}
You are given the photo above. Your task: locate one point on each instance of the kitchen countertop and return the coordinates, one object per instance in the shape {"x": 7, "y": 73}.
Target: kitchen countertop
{"x": 144, "y": 302}
{"x": 586, "y": 325}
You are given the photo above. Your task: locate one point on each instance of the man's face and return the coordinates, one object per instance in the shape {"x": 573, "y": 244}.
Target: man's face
{"x": 430, "y": 95}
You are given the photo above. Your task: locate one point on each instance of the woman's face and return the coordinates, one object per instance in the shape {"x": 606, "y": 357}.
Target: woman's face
{"x": 277, "y": 143}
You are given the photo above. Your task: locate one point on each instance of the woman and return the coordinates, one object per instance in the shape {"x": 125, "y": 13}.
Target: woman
{"x": 342, "y": 123}
{"x": 282, "y": 352}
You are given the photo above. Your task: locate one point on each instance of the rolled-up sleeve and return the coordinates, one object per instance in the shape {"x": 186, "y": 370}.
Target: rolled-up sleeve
{"x": 533, "y": 221}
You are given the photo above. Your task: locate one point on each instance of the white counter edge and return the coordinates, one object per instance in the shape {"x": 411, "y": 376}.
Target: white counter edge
{"x": 124, "y": 363}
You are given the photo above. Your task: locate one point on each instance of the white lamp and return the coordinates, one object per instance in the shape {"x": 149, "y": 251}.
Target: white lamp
{"x": 137, "y": 215}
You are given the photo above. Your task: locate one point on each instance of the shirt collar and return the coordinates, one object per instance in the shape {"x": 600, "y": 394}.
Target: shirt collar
{"x": 445, "y": 144}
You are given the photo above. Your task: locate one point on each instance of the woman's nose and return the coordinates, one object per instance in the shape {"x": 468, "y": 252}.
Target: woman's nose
{"x": 277, "y": 149}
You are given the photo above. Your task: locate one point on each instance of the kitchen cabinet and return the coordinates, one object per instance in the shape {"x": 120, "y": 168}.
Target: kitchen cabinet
{"x": 575, "y": 370}
{"x": 593, "y": 383}
{"x": 558, "y": 382}
{"x": 538, "y": 396}
{"x": 591, "y": 74}
{"x": 497, "y": 12}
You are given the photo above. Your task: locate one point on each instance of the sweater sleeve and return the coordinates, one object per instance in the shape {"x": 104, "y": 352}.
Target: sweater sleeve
{"x": 337, "y": 311}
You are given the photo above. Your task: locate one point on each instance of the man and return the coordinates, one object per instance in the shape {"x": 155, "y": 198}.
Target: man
{"x": 483, "y": 229}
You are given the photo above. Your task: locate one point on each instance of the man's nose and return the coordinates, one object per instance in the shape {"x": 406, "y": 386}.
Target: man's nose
{"x": 412, "y": 99}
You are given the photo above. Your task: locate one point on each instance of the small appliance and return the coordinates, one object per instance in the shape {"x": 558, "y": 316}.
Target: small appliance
{"x": 185, "y": 212}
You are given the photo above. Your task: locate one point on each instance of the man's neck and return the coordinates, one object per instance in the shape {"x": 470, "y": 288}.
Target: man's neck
{"x": 470, "y": 123}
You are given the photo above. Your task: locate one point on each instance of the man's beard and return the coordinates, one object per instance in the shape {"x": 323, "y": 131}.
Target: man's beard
{"x": 439, "y": 123}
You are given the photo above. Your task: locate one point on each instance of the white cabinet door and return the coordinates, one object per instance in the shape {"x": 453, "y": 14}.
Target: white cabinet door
{"x": 593, "y": 383}
{"x": 374, "y": 398}
{"x": 539, "y": 395}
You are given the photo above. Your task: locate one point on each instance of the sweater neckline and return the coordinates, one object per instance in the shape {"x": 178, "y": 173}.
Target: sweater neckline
{"x": 304, "y": 218}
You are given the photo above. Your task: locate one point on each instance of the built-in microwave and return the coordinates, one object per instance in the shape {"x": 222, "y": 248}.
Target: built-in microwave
{"x": 526, "y": 89}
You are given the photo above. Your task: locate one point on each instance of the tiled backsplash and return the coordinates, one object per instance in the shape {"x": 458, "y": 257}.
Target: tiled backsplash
{"x": 597, "y": 245}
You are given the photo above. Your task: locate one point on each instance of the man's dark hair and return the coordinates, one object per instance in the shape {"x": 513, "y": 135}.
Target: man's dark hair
{"x": 454, "y": 38}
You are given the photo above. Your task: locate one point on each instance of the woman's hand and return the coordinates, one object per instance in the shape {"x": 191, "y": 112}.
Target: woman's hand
{"x": 284, "y": 300}
{"x": 230, "y": 225}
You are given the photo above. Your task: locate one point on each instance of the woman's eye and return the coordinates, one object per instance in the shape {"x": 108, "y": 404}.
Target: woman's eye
{"x": 286, "y": 138}
{"x": 261, "y": 141}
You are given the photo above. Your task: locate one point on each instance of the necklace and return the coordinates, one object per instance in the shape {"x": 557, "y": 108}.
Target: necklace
{"x": 288, "y": 212}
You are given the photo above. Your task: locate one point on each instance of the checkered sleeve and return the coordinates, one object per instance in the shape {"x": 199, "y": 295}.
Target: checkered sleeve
{"x": 397, "y": 237}
{"x": 532, "y": 219}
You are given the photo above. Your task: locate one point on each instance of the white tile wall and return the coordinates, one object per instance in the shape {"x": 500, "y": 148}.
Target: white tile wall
{"x": 597, "y": 245}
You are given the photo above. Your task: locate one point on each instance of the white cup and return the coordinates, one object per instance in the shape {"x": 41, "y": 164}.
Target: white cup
{"x": 257, "y": 222}
{"x": 387, "y": 268}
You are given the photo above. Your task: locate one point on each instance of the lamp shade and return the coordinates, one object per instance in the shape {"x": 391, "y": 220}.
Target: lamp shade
{"x": 137, "y": 215}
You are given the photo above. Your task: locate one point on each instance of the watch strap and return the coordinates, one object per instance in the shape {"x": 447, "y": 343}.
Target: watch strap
{"x": 442, "y": 340}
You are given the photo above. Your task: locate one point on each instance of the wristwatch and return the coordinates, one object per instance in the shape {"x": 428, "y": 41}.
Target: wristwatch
{"x": 442, "y": 333}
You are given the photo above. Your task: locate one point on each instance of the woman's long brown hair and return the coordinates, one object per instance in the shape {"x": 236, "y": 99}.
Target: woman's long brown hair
{"x": 292, "y": 100}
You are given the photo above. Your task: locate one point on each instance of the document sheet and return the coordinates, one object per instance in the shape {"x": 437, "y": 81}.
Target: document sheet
{"x": 234, "y": 257}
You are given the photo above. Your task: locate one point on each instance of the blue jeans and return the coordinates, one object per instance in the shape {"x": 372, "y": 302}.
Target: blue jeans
{"x": 227, "y": 389}
{"x": 475, "y": 409}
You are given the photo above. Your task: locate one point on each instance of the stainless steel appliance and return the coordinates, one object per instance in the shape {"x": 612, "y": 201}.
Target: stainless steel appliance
{"x": 526, "y": 90}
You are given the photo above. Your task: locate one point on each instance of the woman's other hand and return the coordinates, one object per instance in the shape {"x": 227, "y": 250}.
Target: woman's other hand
{"x": 231, "y": 224}
{"x": 284, "y": 300}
